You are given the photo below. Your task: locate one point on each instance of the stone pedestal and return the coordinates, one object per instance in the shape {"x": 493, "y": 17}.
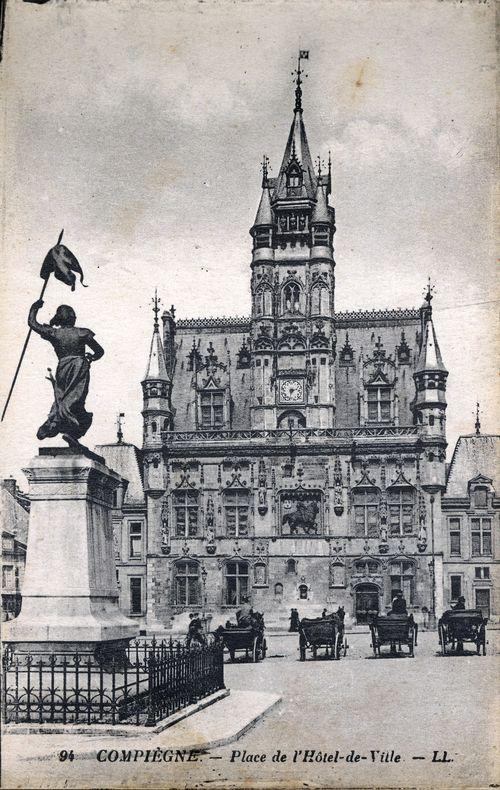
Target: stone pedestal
{"x": 70, "y": 594}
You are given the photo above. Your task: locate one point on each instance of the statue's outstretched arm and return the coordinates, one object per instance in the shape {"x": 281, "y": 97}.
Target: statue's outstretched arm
{"x": 96, "y": 348}
{"x": 40, "y": 329}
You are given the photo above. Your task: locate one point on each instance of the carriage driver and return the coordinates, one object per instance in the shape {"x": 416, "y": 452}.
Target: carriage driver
{"x": 399, "y": 604}
{"x": 244, "y": 613}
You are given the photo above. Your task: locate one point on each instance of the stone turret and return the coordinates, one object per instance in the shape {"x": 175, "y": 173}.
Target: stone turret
{"x": 430, "y": 399}
{"x": 156, "y": 389}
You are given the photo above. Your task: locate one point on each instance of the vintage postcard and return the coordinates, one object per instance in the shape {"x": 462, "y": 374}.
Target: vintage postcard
{"x": 250, "y": 481}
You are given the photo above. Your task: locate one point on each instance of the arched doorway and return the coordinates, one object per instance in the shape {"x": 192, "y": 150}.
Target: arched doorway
{"x": 367, "y": 602}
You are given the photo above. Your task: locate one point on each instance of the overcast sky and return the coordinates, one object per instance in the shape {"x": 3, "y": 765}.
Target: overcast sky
{"x": 139, "y": 127}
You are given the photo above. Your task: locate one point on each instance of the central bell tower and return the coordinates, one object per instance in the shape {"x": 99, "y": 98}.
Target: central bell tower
{"x": 293, "y": 333}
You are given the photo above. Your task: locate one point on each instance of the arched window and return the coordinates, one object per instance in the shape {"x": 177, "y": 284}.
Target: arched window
{"x": 212, "y": 409}
{"x": 185, "y": 513}
{"x": 401, "y": 503}
{"x": 235, "y": 583}
{"x": 303, "y": 590}
{"x": 187, "y": 587}
{"x": 292, "y": 419}
{"x": 402, "y": 573}
{"x": 154, "y": 427}
{"x": 278, "y": 588}
{"x": 165, "y": 424}
{"x": 291, "y": 565}
{"x": 291, "y": 298}
{"x": 366, "y": 502}
{"x": 264, "y": 301}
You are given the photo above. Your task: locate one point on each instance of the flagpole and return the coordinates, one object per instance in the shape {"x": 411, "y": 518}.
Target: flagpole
{"x": 21, "y": 358}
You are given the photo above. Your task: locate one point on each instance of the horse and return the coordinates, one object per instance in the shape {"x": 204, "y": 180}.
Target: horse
{"x": 303, "y": 518}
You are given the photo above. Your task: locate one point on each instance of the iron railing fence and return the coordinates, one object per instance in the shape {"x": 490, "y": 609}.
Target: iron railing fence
{"x": 157, "y": 679}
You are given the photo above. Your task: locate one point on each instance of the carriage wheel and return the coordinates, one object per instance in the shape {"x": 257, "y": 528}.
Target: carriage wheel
{"x": 231, "y": 654}
{"x": 411, "y": 643}
{"x": 345, "y": 647}
{"x": 483, "y": 641}
{"x": 263, "y": 649}
{"x": 314, "y": 651}
{"x": 255, "y": 650}
{"x": 338, "y": 645}
{"x": 302, "y": 647}
{"x": 442, "y": 639}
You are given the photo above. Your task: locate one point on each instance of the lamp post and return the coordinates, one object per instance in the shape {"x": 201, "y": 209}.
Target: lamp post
{"x": 204, "y": 585}
{"x": 432, "y": 490}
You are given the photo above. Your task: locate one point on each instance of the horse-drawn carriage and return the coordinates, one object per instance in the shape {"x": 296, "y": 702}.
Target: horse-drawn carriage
{"x": 327, "y": 632}
{"x": 394, "y": 630}
{"x": 250, "y": 638}
{"x": 458, "y": 626}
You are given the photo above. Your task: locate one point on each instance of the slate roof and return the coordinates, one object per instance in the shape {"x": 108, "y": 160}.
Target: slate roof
{"x": 226, "y": 343}
{"x": 157, "y": 369}
{"x": 125, "y": 459}
{"x": 473, "y": 455}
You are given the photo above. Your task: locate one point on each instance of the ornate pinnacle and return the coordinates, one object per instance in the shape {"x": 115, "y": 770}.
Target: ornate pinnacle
{"x": 303, "y": 55}
{"x": 429, "y": 293}
{"x": 477, "y": 424}
{"x": 156, "y": 301}
{"x": 119, "y": 432}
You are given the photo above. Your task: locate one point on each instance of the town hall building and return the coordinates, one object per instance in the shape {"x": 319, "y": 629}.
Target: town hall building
{"x": 295, "y": 457}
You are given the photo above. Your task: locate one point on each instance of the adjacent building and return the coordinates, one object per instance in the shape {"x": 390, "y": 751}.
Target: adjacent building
{"x": 14, "y": 509}
{"x": 470, "y": 507}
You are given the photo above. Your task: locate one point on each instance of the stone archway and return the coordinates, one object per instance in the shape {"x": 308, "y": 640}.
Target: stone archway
{"x": 367, "y": 602}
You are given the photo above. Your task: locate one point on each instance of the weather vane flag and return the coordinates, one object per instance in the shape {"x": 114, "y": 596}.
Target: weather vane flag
{"x": 60, "y": 262}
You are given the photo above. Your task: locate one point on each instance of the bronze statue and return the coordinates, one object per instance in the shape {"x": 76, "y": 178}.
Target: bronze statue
{"x": 71, "y": 383}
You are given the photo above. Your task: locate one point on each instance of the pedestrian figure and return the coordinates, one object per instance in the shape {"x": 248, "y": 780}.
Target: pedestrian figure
{"x": 294, "y": 620}
{"x": 195, "y": 630}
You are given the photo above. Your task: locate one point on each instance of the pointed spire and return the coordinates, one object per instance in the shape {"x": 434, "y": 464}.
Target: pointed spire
{"x": 320, "y": 211}
{"x": 157, "y": 369}
{"x": 264, "y": 213}
{"x": 297, "y": 147}
{"x": 477, "y": 424}
{"x": 430, "y": 356}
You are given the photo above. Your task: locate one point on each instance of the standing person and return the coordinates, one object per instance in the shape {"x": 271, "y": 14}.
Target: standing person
{"x": 195, "y": 630}
{"x": 71, "y": 382}
{"x": 460, "y": 605}
{"x": 294, "y": 620}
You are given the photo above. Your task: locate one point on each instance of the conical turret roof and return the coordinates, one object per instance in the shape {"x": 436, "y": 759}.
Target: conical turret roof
{"x": 297, "y": 149}
{"x": 320, "y": 211}
{"x": 157, "y": 369}
{"x": 430, "y": 356}
{"x": 264, "y": 212}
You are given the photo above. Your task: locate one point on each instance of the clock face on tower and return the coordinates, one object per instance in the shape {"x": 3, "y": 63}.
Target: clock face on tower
{"x": 292, "y": 391}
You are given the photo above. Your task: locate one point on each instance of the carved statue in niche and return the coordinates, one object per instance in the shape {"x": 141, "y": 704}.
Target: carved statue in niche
{"x": 259, "y": 573}
{"x": 210, "y": 526}
{"x": 338, "y": 501}
{"x": 165, "y": 544}
{"x": 300, "y": 513}
{"x": 337, "y": 575}
{"x": 262, "y": 492}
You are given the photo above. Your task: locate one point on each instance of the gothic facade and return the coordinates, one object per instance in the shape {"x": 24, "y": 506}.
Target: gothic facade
{"x": 297, "y": 456}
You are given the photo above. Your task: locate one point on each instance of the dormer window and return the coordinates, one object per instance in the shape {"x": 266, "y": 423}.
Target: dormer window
{"x": 212, "y": 409}
{"x": 294, "y": 177}
{"x": 379, "y": 404}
